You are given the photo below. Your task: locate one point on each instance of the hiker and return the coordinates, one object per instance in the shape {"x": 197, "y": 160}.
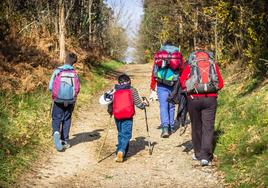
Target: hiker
{"x": 201, "y": 79}
{"x": 124, "y": 98}
{"x": 64, "y": 85}
{"x": 178, "y": 96}
{"x": 168, "y": 64}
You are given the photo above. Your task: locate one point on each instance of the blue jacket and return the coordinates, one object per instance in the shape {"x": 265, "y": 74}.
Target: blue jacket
{"x": 63, "y": 67}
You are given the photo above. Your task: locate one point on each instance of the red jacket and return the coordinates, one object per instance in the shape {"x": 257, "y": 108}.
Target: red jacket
{"x": 153, "y": 81}
{"x": 186, "y": 74}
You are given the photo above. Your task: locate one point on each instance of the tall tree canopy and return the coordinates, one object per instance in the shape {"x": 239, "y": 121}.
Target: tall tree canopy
{"x": 236, "y": 29}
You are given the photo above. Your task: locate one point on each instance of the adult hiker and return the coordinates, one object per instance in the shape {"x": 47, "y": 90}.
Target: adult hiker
{"x": 178, "y": 96}
{"x": 64, "y": 85}
{"x": 202, "y": 80}
{"x": 168, "y": 64}
{"x": 124, "y": 97}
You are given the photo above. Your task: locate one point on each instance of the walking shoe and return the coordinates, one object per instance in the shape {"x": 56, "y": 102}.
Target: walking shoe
{"x": 65, "y": 145}
{"x": 57, "y": 141}
{"x": 194, "y": 157}
{"x": 164, "y": 133}
{"x": 119, "y": 157}
{"x": 204, "y": 162}
{"x": 172, "y": 130}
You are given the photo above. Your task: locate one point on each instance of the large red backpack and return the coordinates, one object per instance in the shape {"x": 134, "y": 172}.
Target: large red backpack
{"x": 123, "y": 104}
{"x": 172, "y": 60}
{"x": 167, "y": 67}
{"x": 203, "y": 77}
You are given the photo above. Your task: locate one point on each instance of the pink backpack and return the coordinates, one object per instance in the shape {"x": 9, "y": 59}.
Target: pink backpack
{"x": 66, "y": 86}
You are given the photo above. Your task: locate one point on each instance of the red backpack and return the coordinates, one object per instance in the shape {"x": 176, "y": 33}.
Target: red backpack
{"x": 172, "y": 60}
{"x": 123, "y": 104}
{"x": 203, "y": 77}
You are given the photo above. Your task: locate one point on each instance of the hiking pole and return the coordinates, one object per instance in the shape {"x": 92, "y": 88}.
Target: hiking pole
{"x": 147, "y": 127}
{"x": 182, "y": 131}
{"x": 105, "y": 138}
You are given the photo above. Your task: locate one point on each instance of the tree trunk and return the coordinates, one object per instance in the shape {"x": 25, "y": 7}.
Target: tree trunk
{"x": 216, "y": 38}
{"x": 89, "y": 21}
{"x": 61, "y": 30}
{"x": 195, "y": 27}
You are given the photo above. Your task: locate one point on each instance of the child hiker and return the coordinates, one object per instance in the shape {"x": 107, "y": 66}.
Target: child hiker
{"x": 124, "y": 99}
{"x": 64, "y": 85}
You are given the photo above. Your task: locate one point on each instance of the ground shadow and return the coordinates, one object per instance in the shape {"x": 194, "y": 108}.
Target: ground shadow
{"x": 137, "y": 145}
{"x": 188, "y": 146}
{"x": 85, "y": 137}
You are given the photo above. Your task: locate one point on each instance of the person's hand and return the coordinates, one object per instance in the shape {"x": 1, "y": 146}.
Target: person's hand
{"x": 145, "y": 101}
{"x": 153, "y": 95}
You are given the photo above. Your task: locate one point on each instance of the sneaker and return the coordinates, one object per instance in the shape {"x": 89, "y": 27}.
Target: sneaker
{"x": 119, "y": 157}
{"x": 194, "y": 157}
{"x": 65, "y": 145}
{"x": 164, "y": 133}
{"x": 57, "y": 141}
{"x": 204, "y": 162}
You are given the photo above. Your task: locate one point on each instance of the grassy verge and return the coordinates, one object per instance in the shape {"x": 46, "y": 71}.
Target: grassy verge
{"x": 242, "y": 130}
{"x": 25, "y": 128}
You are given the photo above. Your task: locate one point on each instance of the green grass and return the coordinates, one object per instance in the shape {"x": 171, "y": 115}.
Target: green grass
{"x": 25, "y": 122}
{"x": 242, "y": 124}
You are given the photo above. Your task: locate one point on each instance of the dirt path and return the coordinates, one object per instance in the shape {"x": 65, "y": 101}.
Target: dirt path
{"x": 169, "y": 166}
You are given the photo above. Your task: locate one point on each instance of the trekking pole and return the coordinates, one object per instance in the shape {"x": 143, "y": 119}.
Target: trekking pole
{"x": 147, "y": 127}
{"x": 182, "y": 131}
{"x": 105, "y": 138}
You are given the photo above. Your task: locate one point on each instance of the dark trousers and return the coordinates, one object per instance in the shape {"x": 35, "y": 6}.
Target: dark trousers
{"x": 61, "y": 119}
{"x": 202, "y": 111}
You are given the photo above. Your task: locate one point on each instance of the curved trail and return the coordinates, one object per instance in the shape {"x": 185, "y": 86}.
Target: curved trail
{"x": 169, "y": 166}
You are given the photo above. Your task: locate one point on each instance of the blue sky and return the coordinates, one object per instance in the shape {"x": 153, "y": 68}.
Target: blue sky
{"x": 132, "y": 12}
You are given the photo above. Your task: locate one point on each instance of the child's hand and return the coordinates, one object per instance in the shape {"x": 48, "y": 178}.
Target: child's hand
{"x": 145, "y": 101}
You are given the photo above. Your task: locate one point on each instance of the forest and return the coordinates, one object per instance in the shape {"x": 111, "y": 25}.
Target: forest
{"x": 35, "y": 35}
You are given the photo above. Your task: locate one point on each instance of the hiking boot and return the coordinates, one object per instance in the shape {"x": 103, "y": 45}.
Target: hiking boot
{"x": 172, "y": 130}
{"x": 204, "y": 162}
{"x": 119, "y": 157}
{"x": 164, "y": 133}
{"x": 65, "y": 145}
{"x": 57, "y": 141}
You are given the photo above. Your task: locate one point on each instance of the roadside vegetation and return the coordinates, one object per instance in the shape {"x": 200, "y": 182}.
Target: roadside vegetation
{"x": 242, "y": 133}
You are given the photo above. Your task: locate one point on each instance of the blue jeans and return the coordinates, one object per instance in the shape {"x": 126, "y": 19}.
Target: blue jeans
{"x": 124, "y": 128}
{"x": 61, "y": 119}
{"x": 167, "y": 110}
